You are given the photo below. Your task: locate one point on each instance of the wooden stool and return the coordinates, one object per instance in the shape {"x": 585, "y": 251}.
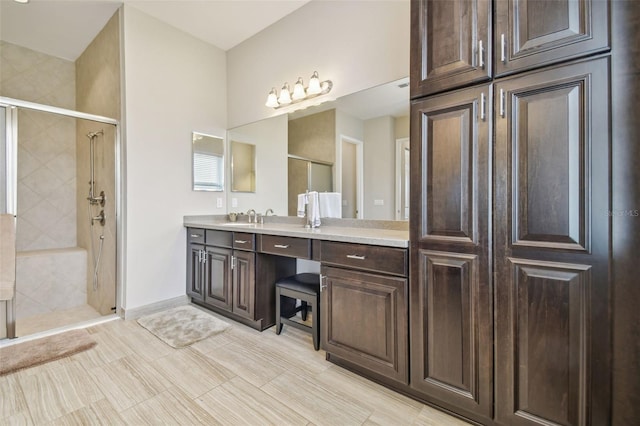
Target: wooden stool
{"x": 306, "y": 288}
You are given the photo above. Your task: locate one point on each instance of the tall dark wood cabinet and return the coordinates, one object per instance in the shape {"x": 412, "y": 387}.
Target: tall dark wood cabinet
{"x": 534, "y": 33}
{"x": 552, "y": 183}
{"x": 451, "y": 44}
{"x": 451, "y": 322}
{"x": 512, "y": 268}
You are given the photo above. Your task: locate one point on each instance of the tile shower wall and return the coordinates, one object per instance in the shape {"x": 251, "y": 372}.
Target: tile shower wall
{"x": 46, "y": 147}
{"x": 98, "y": 89}
{"x": 50, "y": 280}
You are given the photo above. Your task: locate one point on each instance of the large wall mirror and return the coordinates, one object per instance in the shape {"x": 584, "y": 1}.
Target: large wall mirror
{"x": 362, "y": 138}
{"x": 207, "y": 162}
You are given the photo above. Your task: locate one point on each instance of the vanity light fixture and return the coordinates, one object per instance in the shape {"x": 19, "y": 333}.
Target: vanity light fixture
{"x": 21, "y": 1}
{"x": 300, "y": 93}
{"x": 285, "y": 95}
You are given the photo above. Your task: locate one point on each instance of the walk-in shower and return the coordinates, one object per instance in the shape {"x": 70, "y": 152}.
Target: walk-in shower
{"x": 66, "y": 232}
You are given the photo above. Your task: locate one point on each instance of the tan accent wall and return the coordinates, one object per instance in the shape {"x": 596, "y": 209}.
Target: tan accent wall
{"x": 402, "y": 127}
{"x": 98, "y": 92}
{"x": 314, "y": 137}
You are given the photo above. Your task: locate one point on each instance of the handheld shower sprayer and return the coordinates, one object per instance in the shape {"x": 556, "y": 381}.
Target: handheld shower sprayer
{"x": 100, "y": 199}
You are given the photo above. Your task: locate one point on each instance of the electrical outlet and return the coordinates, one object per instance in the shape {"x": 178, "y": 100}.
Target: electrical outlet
{"x": 234, "y": 202}
{"x": 378, "y": 202}
{"x": 219, "y": 203}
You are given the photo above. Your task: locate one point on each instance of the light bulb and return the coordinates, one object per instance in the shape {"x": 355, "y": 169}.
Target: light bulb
{"x": 298, "y": 90}
{"x": 272, "y": 99}
{"x": 314, "y": 84}
{"x": 285, "y": 95}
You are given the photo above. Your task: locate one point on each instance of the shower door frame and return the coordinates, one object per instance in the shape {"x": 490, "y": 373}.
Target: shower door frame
{"x": 11, "y": 141}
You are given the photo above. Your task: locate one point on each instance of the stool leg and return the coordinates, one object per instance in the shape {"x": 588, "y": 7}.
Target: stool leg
{"x": 278, "y": 322}
{"x": 303, "y": 311}
{"x": 316, "y": 324}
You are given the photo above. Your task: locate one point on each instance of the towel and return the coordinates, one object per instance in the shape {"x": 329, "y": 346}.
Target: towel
{"x": 302, "y": 202}
{"x": 330, "y": 204}
{"x": 7, "y": 256}
{"x": 314, "y": 209}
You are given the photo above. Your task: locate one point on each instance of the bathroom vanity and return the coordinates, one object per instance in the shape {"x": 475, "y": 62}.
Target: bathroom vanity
{"x": 232, "y": 268}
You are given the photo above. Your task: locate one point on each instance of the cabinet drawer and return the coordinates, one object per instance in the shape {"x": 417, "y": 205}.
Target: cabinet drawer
{"x": 219, "y": 238}
{"x": 244, "y": 241}
{"x": 286, "y": 246}
{"x": 195, "y": 235}
{"x": 372, "y": 258}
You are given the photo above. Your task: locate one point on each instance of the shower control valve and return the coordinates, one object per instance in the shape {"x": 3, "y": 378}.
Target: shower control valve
{"x": 100, "y": 218}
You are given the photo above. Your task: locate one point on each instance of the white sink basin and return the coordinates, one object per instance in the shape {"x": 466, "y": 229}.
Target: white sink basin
{"x": 243, "y": 224}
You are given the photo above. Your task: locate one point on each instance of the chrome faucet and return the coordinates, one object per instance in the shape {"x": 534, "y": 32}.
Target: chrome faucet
{"x": 269, "y": 211}
{"x": 251, "y": 213}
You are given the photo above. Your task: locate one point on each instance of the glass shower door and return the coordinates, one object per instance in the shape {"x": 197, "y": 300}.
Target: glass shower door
{"x": 7, "y": 206}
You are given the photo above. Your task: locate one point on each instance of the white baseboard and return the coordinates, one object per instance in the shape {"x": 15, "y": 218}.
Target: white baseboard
{"x": 140, "y": 311}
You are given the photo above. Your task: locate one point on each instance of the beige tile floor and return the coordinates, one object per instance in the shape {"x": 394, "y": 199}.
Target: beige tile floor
{"x": 50, "y": 320}
{"x": 235, "y": 378}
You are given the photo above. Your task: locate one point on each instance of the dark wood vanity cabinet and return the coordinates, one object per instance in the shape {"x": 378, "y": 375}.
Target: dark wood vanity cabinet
{"x": 364, "y": 317}
{"x": 218, "y": 279}
{"x": 195, "y": 263}
{"x": 221, "y": 275}
{"x": 195, "y": 271}
{"x": 243, "y": 283}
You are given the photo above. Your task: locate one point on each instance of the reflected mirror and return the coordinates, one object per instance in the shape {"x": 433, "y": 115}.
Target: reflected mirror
{"x": 243, "y": 167}
{"x": 207, "y": 162}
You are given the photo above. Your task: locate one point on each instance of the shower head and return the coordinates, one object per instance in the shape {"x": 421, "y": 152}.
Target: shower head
{"x": 94, "y": 134}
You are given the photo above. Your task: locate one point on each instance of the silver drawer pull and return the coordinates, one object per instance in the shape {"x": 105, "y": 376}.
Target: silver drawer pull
{"x": 282, "y": 246}
{"x": 196, "y": 235}
{"x": 241, "y": 241}
{"x": 355, "y": 256}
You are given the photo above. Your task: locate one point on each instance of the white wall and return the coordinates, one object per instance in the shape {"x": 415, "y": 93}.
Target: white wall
{"x": 379, "y": 168}
{"x": 356, "y": 44}
{"x": 270, "y": 138}
{"x": 174, "y": 84}
{"x": 352, "y": 127}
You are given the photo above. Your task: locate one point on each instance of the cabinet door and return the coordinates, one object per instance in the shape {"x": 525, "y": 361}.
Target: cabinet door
{"x": 218, "y": 277}
{"x": 244, "y": 288}
{"x": 450, "y": 44}
{"x": 364, "y": 320}
{"x": 451, "y": 297}
{"x": 195, "y": 271}
{"x": 533, "y": 33}
{"x": 552, "y": 236}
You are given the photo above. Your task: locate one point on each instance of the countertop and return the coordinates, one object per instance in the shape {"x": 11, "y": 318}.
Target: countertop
{"x": 366, "y": 234}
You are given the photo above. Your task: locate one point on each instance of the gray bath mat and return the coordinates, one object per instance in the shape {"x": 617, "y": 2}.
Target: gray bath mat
{"x": 182, "y": 326}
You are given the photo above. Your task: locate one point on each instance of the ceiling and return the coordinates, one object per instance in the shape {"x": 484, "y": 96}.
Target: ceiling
{"x": 65, "y": 28}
